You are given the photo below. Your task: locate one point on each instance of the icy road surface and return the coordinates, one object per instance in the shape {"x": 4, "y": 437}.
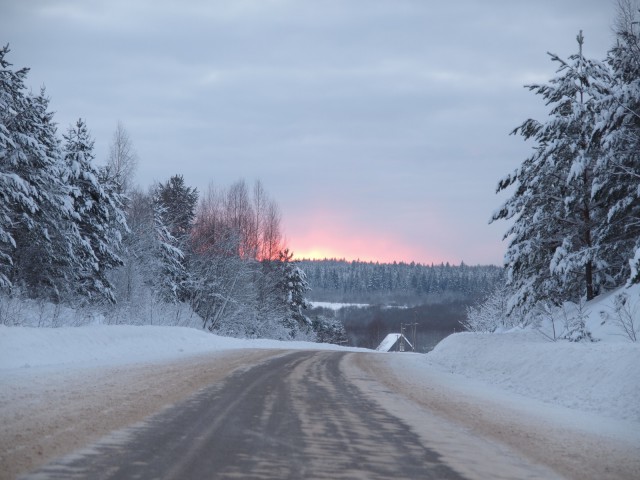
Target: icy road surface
{"x": 274, "y": 414}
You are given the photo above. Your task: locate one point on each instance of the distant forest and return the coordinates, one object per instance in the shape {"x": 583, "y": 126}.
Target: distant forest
{"x": 395, "y": 283}
{"x": 434, "y": 297}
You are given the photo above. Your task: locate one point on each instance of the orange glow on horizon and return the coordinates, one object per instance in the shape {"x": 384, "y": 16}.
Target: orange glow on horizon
{"x": 325, "y": 237}
{"x": 328, "y": 253}
{"x": 315, "y": 254}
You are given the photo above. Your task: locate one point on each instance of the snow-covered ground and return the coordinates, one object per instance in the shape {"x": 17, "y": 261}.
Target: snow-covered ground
{"x": 115, "y": 345}
{"x": 601, "y": 377}
{"x": 596, "y": 381}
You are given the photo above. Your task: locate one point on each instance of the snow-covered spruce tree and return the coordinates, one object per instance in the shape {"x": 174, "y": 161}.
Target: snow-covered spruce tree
{"x": 18, "y": 199}
{"x": 99, "y": 218}
{"x": 152, "y": 278}
{"x": 329, "y": 329}
{"x": 171, "y": 273}
{"x": 43, "y": 264}
{"x": 583, "y": 261}
{"x": 179, "y": 203}
{"x": 293, "y": 286}
{"x": 618, "y": 130}
{"x": 152, "y": 267}
{"x": 552, "y": 255}
{"x": 34, "y": 206}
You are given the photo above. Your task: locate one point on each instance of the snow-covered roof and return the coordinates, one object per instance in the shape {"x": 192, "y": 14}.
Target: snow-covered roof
{"x": 390, "y": 340}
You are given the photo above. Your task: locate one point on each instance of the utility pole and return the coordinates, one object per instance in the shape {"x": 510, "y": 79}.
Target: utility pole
{"x": 413, "y": 327}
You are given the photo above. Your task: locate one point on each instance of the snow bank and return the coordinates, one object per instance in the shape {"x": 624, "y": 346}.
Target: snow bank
{"x": 604, "y": 317}
{"x": 599, "y": 377}
{"x": 120, "y": 344}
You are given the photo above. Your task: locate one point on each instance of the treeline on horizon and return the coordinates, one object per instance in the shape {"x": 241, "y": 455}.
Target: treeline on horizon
{"x": 343, "y": 281}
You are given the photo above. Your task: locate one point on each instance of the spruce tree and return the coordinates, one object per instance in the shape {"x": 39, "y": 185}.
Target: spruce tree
{"x": 35, "y": 210}
{"x": 293, "y": 286}
{"x": 179, "y": 205}
{"x": 553, "y": 253}
{"x": 618, "y": 130}
{"x": 98, "y": 216}
{"x": 171, "y": 273}
{"x": 43, "y": 260}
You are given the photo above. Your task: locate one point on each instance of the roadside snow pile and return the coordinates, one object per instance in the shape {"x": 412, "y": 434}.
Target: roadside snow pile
{"x": 23, "y": 347}
{"x": 611, "y": 317}
{"x": 602, "y": 377}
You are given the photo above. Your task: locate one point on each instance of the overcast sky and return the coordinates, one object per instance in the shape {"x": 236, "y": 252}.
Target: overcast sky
{"x": 380, "y": 127}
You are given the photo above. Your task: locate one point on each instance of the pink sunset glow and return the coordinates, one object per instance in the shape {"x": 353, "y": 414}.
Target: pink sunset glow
{"x": 329, "y": 237}
{"x": 324, "y": 244}
{"x": 329, "y": 231}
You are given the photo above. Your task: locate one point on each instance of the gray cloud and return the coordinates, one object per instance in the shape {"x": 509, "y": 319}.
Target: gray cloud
{"x": 393, "y": 114}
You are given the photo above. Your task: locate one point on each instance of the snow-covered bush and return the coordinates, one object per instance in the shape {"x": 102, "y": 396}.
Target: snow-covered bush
{"x": 492, "y": 314}
{"x": 567, "y": 322}
{"x": 575, "y": 323}
{"x": 625, "y": 315}
{"x": 17, "y": 310}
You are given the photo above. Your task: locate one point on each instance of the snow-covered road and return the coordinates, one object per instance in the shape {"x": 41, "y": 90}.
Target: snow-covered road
{"x": 497, "y": 423}
{"x": 65, "y": 388}
{"x": 46, "y": 412}
{"x": 294, "y": 416}
{"x": 281, "y": 415}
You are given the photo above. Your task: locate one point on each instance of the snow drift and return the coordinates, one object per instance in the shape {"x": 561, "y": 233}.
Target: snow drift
{"x": 599, "y": 377}
{"x": 98, "y": 345}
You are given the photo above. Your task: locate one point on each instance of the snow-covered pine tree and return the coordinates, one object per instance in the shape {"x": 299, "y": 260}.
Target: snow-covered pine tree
{"x": 179, "y": 206}
{"x": 15, "y": 193}
{"x": 293, "y": 287}
{"x": 98, "y": 214}
{"x": 171, "y": 274}
{"x": 329, "y": 329}
{"x": 152, "y": 263}
{"x": 618, "y": 130}
{"x": 34, "y": 206}
{"x": 43, "y": 263}
{"x": 552, "y": 253}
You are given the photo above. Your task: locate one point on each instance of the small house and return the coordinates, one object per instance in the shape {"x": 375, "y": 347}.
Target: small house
{"x": 395, "y": 342}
